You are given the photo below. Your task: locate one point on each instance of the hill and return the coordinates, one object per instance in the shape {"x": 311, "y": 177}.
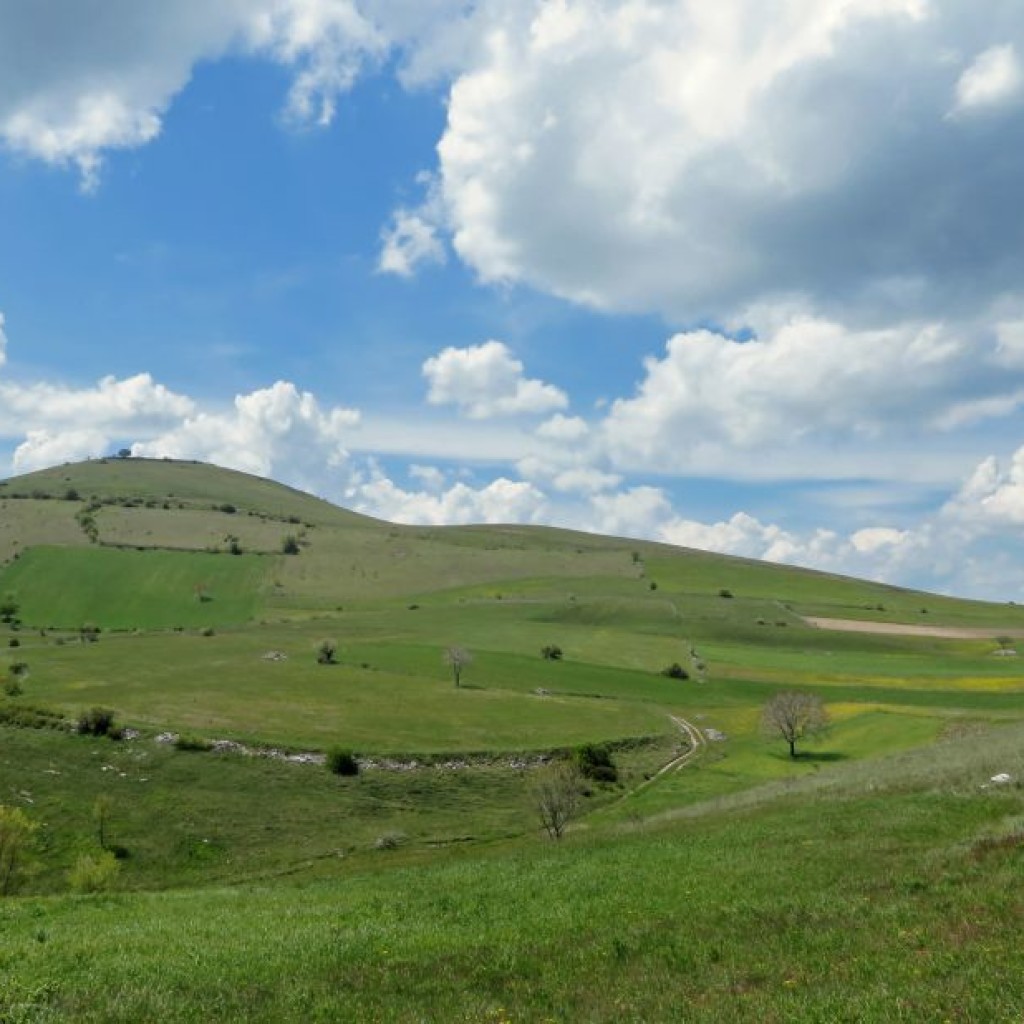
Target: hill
{"x": 195, "y": 605}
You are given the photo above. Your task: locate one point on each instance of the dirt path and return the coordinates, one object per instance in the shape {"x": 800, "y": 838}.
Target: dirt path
{"x": 697, "y": 744}
{"x": 907, "y": 629}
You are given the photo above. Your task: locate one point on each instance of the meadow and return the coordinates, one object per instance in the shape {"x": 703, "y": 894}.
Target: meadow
{"x": 865, "y": 879}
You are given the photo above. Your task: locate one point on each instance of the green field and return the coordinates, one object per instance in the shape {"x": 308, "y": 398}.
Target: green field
{"x": 114, "y": 589}
{"x": 422, "y": 889}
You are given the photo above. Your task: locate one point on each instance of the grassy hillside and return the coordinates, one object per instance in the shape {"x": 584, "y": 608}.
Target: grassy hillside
{"x": 214, "y": 592}
{"x": 886, "y": 894}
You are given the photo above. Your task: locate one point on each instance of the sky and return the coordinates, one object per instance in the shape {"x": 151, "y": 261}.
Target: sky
{"x": 746, "y": 275}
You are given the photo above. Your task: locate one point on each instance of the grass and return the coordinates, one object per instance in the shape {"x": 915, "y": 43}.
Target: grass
{"x": 62, "y": 587}
{"x": 897, "y": 904}
{"x": 874, "y": 877}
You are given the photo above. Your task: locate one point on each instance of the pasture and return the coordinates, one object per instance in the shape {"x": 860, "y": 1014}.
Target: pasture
{"x": 287, "y": 871}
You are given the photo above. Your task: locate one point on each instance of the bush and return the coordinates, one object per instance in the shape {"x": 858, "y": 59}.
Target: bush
{"x": 675, "y": 671}
{"x": 290, "y": 545}
{"x": 14, "y": 642}
{"x": 326, "y": 652}
{"x": 595, "y": 762}
{"x": 94, "y": 872}
{"x": 22, "y": 717}
{"x": 342, "y": 762}
{"x": 12, "y": 687}
{"x": 725, "y": 592}
{"x": 96, "y": 722}
{"x": 552, "y": 652}
{"x": 189, "y": 742}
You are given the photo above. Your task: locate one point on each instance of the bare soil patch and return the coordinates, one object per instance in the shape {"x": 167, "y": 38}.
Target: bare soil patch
{"x": 909, "y": 629}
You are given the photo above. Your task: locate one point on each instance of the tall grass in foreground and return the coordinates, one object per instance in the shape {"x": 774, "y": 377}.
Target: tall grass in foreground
{"x": 833, "y": 902}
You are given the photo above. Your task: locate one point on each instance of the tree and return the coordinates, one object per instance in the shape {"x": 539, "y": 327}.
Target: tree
{"x": 556, "y": 795}
{"x": 551, "y": 652}
{"x": 16, "y": 835}
{"x": 290, "y": 545}
{"x": 457, "y": 658}
{"x": 326, "y": 653}
{"x": 794, "y": 716}
{"x": 8, "y": 608}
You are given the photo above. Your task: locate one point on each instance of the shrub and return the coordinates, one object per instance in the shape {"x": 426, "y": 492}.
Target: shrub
{"x": 675, "y": 671}
{"x": 14, "y": 642}
{"x": 94, "y": 872}
{"x": 341, "y": 761}
{"x": 326, "y": 653}
{"x": 290, "y": 545}
{"x": 595, "y": 762}
{"x": 12, "y": 687}
{"x": 21, "y": 717}
{"x": 725, "y": 592}
{"x": 96, "y": 722}
{"x": 186, "y": 741}
{"x": 390, "y": 841}
{"x": 552, "y": 652}
{"x": 207, "y": 631}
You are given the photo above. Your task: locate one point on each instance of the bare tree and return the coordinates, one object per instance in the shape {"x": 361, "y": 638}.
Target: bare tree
{"x": 457, "y": 658}
{"x": 794, "y": 716}
{"x": 556, "y": 795}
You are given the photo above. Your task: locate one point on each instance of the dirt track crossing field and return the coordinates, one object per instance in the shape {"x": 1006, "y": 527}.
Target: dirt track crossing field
{"x": 907, "y": 629}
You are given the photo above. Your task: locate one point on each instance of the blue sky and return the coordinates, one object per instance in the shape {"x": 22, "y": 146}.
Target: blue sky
{"x": 743, "y": 276}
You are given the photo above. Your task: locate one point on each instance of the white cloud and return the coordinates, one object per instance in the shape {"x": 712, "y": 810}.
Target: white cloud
{"x": 563, "y": 428}
{"x": 41, "y": 448}
{"x": 409, "y": 242}
{"x": 992, "y": 498}
{"x": 500, "y": 501}
{"x": 814, "y": 382}
{"x": 277, "y": 431}
{"x": 486, "y": 380}
{"x": 3, "y": 342}
{"x": 112, "y": 403}
{"x": 691, "y": 157}
{"x": 78, "y": 80}
{"x": 993, "y": 79}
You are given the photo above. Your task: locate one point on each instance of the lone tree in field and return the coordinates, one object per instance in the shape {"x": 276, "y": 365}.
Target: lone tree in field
{"x": 556, "y": 795}
{"x": 794, "y": 716}
{"x": 457, "y": 658}
{"x": 326, "y": 652}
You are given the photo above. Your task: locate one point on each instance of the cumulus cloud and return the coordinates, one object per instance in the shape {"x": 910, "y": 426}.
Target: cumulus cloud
{"x": 992, "y": 498}
{"x": 77, "y": 80}
{"x": 487, "y": 380}
{"x": 409, "y": 242}
{"x": 42, "y": 448}
{"x": 500, "y": 501}
{"x": 563, "y": 428}
{"x": 811, "y": 378}
{"x": 111, "y": 404}
{"x": 278, "y": 431}
{"x": 993, "y": 79}
{"x": 691, "y": 157}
